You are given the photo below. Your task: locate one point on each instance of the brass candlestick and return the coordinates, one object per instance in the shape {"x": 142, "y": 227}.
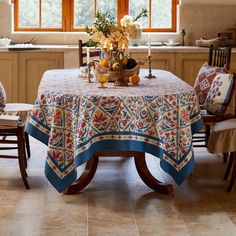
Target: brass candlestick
{"x": 89, "y": 75}
{"x": 150, "y": 76}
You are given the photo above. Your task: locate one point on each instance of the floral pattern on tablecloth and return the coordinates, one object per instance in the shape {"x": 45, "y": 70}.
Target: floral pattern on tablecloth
{"x": 75, "y": 119}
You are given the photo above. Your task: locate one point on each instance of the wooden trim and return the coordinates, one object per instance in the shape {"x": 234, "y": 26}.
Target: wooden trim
{"x": 95, "y": 7}
{"x": 39, "y": 30}
{"x": 68, "y": 17}
{"x": 174, "y": 15}
{"x": 72, "y": 20}
{"x": 40, "y": 14}
{"x": 67, "y": 14}
{"x": 158, "y": 30}
{"x": 150, "y": 14}
{"x": 16, "y": 15}
{"x": 122, "y": 9}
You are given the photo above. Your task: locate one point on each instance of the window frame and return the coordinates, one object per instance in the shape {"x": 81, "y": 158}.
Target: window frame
{"x": 68, "y": 17}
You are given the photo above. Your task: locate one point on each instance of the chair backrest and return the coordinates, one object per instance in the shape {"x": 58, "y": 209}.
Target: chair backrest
{"x": 82, "y": 55}
{"x": 219, "y": 56}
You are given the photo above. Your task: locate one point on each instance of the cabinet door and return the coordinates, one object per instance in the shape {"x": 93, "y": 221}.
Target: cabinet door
{"x": 188, "y": 65}
{"x": 32, "y": 66}
{"x": 161, "y": 61}
{"x": 233, "y": 62}
{"x": 9, "y": 75}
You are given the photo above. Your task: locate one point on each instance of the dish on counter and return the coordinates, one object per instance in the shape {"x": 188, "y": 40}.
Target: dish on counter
{"x": 172, "y": 44}
{"x": 158, "y": 43}
{"x": 4, "y": 41}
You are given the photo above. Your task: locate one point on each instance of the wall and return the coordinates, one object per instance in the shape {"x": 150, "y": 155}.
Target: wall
{"x": 205, "y": 21}
{"x": 209, "y": 2}
{"x": 197, "y": 17}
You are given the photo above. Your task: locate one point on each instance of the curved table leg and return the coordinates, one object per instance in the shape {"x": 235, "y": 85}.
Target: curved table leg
{"x": 85, "y": 177}
{"x": 147, "y": 177}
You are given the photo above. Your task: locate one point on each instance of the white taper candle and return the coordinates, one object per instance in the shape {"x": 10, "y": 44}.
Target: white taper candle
{"x": 88, "y": 56}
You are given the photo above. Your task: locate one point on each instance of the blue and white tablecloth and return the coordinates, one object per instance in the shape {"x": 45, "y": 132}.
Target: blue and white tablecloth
{"x": 75, "y": 119}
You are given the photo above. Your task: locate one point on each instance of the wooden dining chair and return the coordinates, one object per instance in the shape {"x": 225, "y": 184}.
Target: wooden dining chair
{"x": 10, "y": 127}
{"x": 93, "y": 53}
{"x": 219, "y": 57}
{"x": 13, "y": 135}
{"x": 13, "y": 118}
{"x": 23, "y": 111}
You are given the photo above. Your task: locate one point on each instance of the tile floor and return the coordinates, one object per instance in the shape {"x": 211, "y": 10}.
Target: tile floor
{"x": 117, "y": 202}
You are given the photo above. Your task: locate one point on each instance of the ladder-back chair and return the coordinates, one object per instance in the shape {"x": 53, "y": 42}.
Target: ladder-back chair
{"x": 218, "y": 57}
{"x": 13, "y": 118}
{"x": 92, "y": 53}
{"x": 8, "y": 130}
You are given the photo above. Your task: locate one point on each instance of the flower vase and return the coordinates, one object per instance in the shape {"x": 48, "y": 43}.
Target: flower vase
{"x": 137, "y": 40}
{"x": 106, "y": 56}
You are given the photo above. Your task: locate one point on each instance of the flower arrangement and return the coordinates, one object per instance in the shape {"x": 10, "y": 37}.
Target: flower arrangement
{"x": 106, "y": 31}
{"x": 113, "y": 40}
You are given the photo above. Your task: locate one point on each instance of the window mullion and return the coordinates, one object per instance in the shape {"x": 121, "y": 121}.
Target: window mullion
{"x": 95, "y": 7}
{"x": 150, "y": 14}
{"x": 174, "y": 14}
{"x": 122, "y": 8}
{"x": 40, "y": 14}
{"x": 67, "y": 15}
{"x": 16, "y": 15}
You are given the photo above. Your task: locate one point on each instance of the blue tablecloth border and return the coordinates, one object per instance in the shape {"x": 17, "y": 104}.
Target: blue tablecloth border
{"x": 37, "y": 133}
{"x": 116, "y": 145}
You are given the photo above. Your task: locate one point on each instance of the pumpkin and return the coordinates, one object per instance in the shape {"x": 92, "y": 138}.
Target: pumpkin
{"x": 134, "y": 79}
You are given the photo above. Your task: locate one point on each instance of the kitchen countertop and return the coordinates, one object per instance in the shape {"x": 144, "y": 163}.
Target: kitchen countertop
{"x": 64, "y": 48}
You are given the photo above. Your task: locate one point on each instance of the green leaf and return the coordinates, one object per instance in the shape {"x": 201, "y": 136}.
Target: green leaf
{"x": 143, "y": 13}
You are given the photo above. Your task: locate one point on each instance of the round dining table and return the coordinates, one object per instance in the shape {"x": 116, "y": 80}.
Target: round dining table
{"x": 79, "y": 122}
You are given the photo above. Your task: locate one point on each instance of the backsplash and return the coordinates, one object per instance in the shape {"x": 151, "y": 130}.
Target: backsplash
{"x": 205, "y": 21}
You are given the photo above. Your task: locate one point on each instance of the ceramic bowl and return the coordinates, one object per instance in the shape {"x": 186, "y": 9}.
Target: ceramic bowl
{"x": 4, "y": 41}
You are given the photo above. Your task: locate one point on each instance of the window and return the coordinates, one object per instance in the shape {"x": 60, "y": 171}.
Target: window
{"x": 38, "y": 15}
{"x": 73, "y": 15}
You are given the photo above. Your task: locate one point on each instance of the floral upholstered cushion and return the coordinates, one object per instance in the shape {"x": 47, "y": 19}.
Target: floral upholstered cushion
{"x": 2, "y": 97}
{"x": 219, "y": 94}
{"x": 204, "y": 79}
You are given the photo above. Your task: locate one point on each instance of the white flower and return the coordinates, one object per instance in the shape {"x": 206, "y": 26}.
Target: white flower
{"x": 126, "y": 21}
{"x": 137, "y": 24}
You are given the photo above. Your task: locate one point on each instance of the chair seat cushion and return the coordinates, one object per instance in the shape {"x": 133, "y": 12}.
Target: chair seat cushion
{"x": 219, "y": 94}
{"x": 9, "y": 121}
{"x": 223, "y": 137}
{"x": 18, "y": 109}
{"x": 204, "y": 79}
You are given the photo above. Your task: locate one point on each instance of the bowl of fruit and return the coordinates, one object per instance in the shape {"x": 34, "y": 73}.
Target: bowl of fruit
{"x": 127, "y": 68}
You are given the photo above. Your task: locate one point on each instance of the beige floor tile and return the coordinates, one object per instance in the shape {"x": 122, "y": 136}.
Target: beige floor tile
{"x": 214, "y": 223}
{"x": 117, "y": 202}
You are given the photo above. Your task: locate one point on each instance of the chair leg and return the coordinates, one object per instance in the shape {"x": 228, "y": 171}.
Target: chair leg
{"x": 208, "y": 131}
{"x": 20, "y": 143}
{"x": 233, "y": 175}
{"x": 27, "y": 144}
{"x": 231, "y": 158}
{"x": 225, "y": 157}
{"x": 24, "y": 155}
